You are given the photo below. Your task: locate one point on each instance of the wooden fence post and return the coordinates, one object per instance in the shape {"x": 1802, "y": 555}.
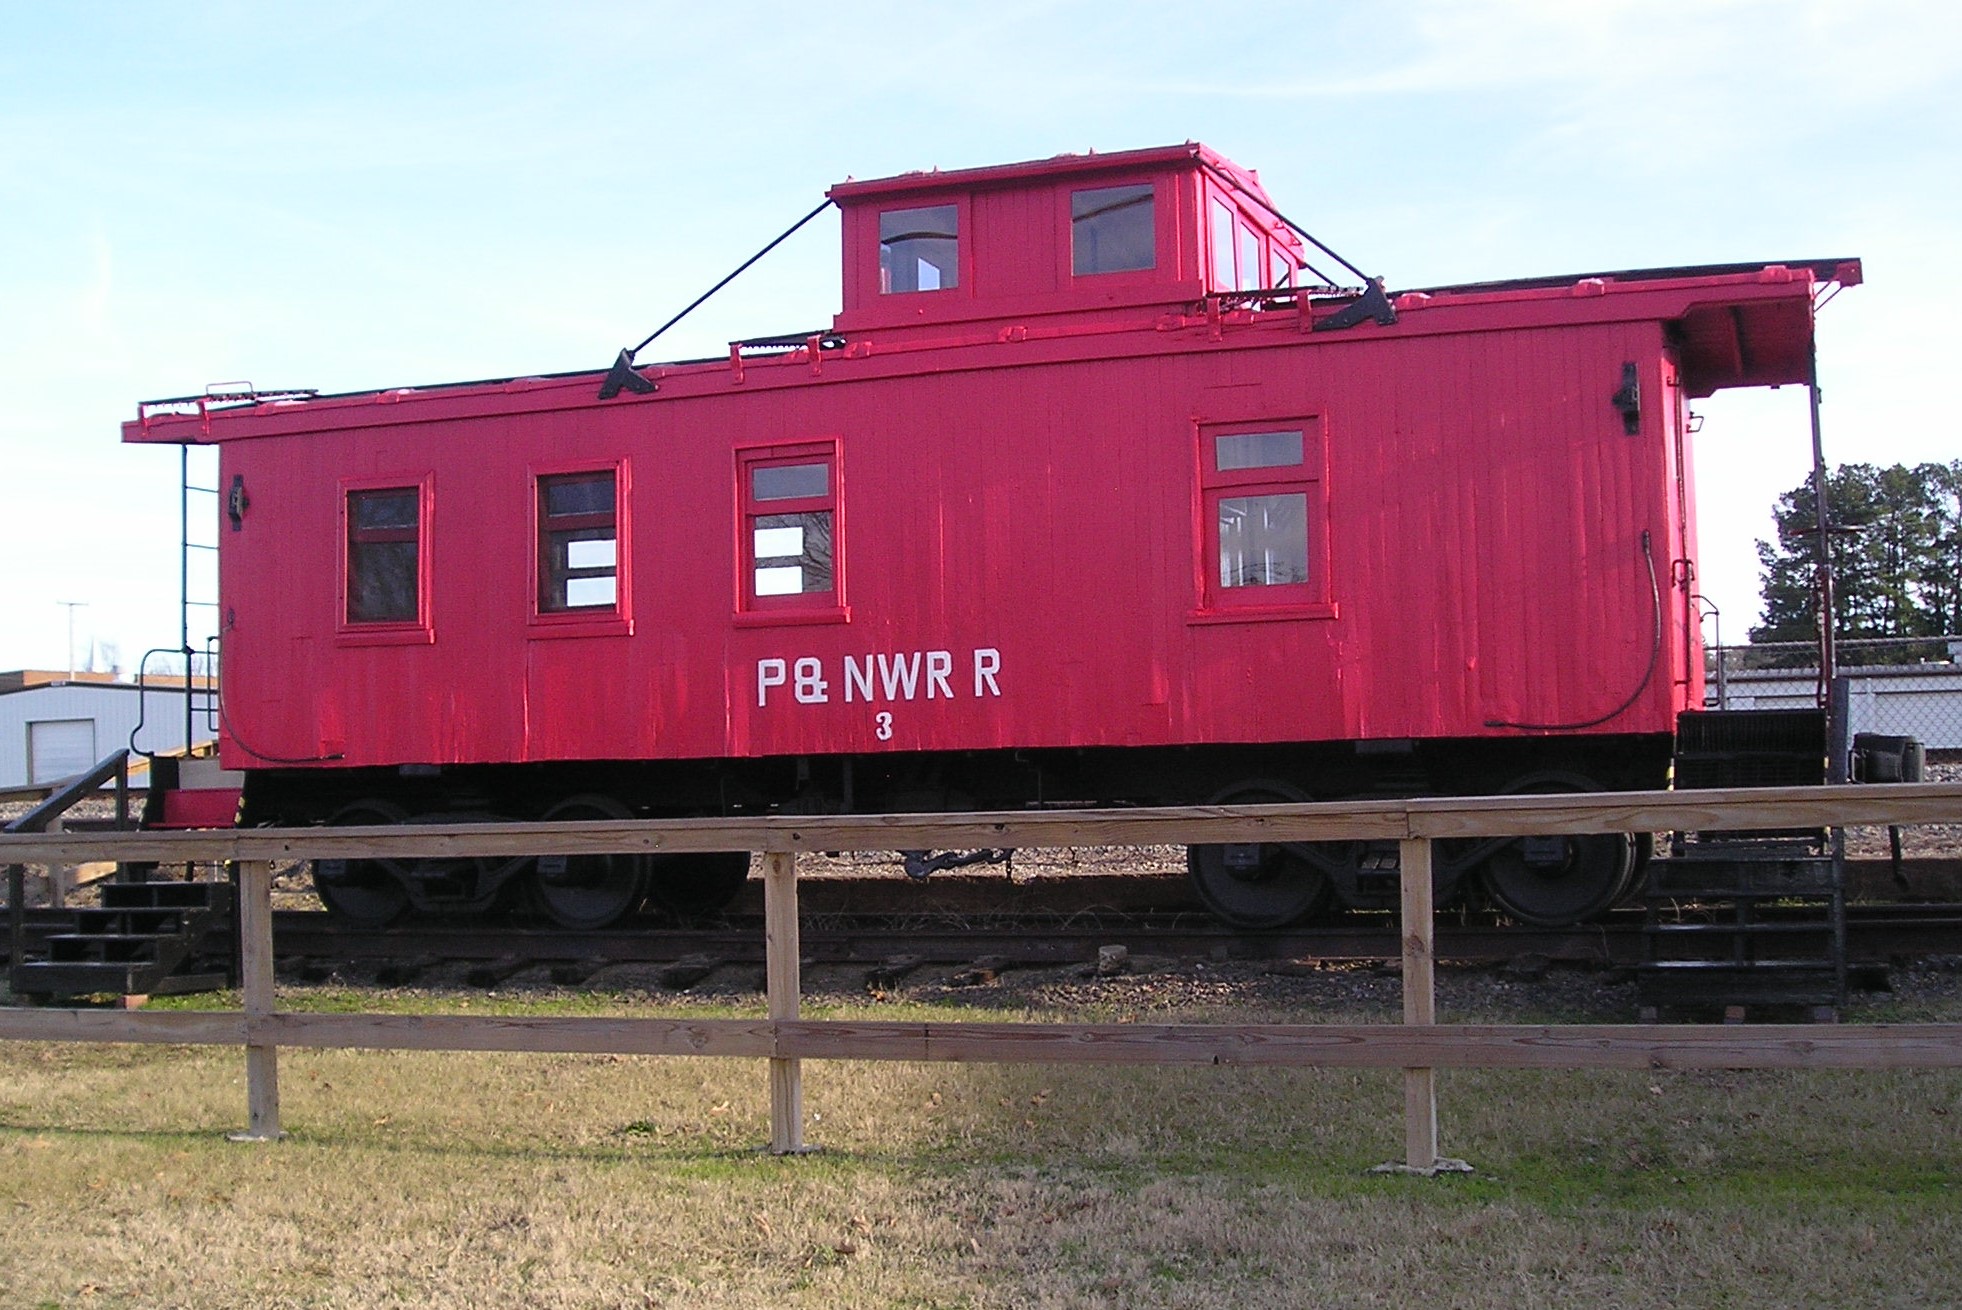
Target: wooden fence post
{"x": 256, "y": 981}
{"x": 1419, "y": 925}
{"x": 1419, "y": 1001}
{"x": 783, "y": 985}
{"x": 16, "y": 918}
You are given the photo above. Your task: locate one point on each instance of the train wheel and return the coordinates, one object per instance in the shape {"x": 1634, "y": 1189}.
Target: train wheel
{"x": 699, "y": 884}
{"x": 1556, "y": 881}
{"x": 1263, "y": 884}
{"x": 589, "y": 891}
{"x": 364, "y": 893}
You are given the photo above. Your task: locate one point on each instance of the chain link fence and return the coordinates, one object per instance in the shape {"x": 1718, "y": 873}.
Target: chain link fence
{"x": 1895, "y": 687}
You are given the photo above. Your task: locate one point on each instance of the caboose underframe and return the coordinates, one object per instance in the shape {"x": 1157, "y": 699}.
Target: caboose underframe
{"x": 958, "y": 781}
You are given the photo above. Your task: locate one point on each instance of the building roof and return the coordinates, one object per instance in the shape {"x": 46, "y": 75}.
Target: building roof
{"x": 21, "y": 679}
{"x": 31, "y": 679}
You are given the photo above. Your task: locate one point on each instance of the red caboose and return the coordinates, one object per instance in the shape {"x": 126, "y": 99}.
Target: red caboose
{"x": 1087, "y": 495}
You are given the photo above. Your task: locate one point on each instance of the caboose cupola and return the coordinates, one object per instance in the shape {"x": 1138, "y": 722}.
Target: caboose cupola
{"x": 1076, "y": 234}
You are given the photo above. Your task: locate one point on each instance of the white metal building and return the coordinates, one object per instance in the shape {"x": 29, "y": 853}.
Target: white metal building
{"x": 51, "y": 730}
{"x": 1900, "y": 700}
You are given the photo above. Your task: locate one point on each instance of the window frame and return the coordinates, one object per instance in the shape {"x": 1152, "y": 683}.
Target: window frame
{"x": 615, "y": 620}
{"x": 1242, "y": 225}
{"x": 1312, "y": 599}
{"x": 1218, "y": 203}
{"x": 1164, "y": 233}
{"x": 1284, "y": 276}
{"x": 963, "y": 287}
{"x": 797, "y": 607}
{"x": 421, "y": 630}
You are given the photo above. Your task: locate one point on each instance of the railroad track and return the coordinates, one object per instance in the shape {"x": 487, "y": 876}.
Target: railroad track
{"x": 1024, "y": 940}
{"x": 312, "y": 944}
{"x": 957, "y": 919}
{"x": 1874, "y": 933}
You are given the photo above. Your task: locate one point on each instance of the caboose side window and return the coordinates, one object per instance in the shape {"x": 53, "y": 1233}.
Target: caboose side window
{"x": 789, "y": 527}
{"x": 919, "y": 249}
{"x": 1280, "y": 267}
{"x": 1256, "y": 450}
{"x": 1261, "y": 533}
{"x": 578, "y": 542}
{"x": 1263, "y": 540}
{"x": 1223, "y": 279}
{"x": 384, "y": 549}
{"x": 1236, "y": 244}
{"x": 1113, "y": 230}
{"x": 1250, "y": 269}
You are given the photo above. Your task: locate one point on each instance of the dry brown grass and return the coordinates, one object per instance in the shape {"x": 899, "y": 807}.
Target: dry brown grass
{"x": 491, "y": 1181}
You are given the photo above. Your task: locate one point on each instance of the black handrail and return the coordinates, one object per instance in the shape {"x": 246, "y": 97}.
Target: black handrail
{"x": 193, "y": 688}
{"x": 79, "y": 787}
{"x": 115, "y": 766}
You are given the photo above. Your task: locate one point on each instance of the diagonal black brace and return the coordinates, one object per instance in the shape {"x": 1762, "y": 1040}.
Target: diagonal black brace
{"x": 621, "y": 377}
{"x": 1373, "y": 303}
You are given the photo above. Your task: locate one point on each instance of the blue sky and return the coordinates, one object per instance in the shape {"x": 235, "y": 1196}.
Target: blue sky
{"x": 370, "y": 194}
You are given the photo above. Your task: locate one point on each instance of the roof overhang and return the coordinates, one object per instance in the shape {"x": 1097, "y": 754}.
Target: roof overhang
{"x": 1752, "y": 344}
{"x": 1739, "y": 325}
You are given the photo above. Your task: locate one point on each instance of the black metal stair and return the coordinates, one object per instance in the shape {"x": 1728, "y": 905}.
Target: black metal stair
{"x": 1737, "y": 925}
{"x": 149, "y": 936}
{"x": 1736, "y": 920}
{"x": 142, "y": 941}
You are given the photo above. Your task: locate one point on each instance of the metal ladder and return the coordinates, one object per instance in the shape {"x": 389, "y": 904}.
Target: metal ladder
{"x": 201, "y": 692}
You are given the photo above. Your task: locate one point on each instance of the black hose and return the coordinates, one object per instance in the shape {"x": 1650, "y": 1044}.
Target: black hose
{"x": 225, "y": 723}
{"x": 1648, "y": 674}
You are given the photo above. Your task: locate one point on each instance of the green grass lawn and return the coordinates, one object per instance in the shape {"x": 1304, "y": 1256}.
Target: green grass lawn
{"x": 495, "y": 1180}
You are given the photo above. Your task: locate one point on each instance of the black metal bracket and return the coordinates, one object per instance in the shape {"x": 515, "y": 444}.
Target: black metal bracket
{"x": 1372, "y": 305}
{"x": 1628, "y": 400}
{"x": 622, "y": 377}
{"x": 237, "y": 502}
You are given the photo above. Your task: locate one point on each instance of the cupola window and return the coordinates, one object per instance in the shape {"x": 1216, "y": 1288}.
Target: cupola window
{"x": 1113, "y": 230}
{"x": 919, "y": 249}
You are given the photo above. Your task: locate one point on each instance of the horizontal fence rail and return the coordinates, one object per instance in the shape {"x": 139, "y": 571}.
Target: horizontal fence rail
{"x": 1390, "y": 820}
{"x": 1345, "y": 1046}
{"x": 1419, "y": 1046}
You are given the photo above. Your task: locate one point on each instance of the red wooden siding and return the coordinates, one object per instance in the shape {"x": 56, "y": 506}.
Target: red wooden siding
{"x": 1484, "y": 516}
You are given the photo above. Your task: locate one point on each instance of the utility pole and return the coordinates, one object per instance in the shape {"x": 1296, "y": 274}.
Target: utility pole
{"x": 1823, "y": 577}
{"x": 72, "y": 605}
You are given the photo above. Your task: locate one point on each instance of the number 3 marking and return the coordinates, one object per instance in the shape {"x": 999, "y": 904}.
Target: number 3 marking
{"x": 884, "y": 729}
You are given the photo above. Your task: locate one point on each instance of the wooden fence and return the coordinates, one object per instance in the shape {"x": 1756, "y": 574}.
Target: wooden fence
{"x": 1419, "y": 1046}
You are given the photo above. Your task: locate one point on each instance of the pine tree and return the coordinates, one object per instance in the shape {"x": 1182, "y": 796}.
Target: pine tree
{"x": 1897, "y": 554}
{"x": 1941, "y": 573}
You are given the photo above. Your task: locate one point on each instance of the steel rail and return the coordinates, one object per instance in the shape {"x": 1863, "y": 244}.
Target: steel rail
{"x": 1877, "y": 933}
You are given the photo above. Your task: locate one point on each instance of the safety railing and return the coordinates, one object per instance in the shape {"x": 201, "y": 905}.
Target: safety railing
{"x": 1420, "y": 1046}
{"x": 41, "y": 817}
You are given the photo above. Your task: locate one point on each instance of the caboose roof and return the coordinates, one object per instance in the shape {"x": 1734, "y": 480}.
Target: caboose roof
{"x": 1014, "y": 282}
{"x": 1090, "y": 164}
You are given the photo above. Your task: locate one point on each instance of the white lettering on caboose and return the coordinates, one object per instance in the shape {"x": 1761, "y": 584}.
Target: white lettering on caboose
{"x": 879, "y": 678}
